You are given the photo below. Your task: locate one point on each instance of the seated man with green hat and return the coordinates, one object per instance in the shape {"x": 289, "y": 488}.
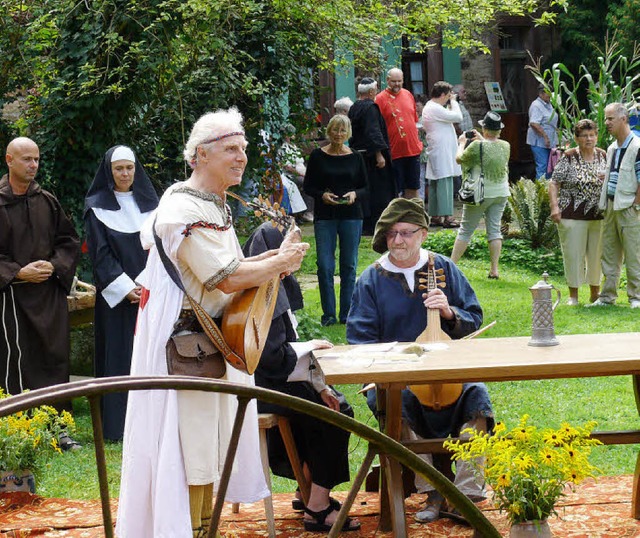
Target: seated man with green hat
{"x": 388, "y": 306}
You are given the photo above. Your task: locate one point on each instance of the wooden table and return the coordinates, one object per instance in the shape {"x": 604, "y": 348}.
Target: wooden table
{"x": 480, "y": 360}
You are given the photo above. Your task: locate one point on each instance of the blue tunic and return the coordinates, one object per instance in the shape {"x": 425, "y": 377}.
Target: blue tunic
{"x": 384, "y": 309}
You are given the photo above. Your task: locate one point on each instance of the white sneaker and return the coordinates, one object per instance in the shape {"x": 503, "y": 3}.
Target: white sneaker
{"x": 572, "y": 302}
{"x": 635, "y": 303}
{"x": 599, "y": 302}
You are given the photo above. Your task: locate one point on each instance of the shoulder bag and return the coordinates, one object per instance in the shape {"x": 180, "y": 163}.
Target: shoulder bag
{"x": 196, "y": 347}
{"x": 472, "y": 189}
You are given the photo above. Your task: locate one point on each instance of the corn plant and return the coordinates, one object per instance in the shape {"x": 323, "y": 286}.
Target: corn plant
{"x": 616, "y": 80}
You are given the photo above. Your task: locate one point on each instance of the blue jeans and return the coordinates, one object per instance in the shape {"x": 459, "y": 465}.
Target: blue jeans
{"x": 541, "y": 158}
{"x": 327, "y": 233}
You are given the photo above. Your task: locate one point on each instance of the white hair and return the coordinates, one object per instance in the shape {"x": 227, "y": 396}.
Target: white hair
{"x": 343, "y": 105}
{"x": 209, "y": 127}
{"x": 366, "y": 88}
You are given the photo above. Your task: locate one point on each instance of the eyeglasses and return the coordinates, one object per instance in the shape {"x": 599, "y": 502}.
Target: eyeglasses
{"x": 405, "y": 234}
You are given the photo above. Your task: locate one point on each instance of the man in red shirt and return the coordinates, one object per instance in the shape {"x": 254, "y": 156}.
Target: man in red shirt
{"x": 398, "y": 109}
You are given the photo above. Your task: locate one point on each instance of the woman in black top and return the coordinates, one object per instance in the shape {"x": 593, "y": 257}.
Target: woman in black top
{"x": 337, "y": 179}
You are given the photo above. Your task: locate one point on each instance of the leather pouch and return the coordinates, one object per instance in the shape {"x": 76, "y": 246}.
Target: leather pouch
{"x": 194, "y": 354}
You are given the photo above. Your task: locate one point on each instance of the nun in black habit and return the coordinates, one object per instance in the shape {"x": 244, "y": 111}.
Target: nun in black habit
{"x": 120, "y": 198}
{"x": 286, "y": 366}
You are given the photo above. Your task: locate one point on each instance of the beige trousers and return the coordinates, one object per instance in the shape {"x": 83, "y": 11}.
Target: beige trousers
{"x": 581, "y": 242}
{"x": 620, "y": 242}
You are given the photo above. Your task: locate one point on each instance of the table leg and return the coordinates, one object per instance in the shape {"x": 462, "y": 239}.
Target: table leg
{"x": 635, "y": 502}
{"x": 385, "y": 509}
{"x": 393, "y": 470}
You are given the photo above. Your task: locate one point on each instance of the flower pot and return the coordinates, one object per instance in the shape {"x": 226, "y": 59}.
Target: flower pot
{"x": 22, "y": 480}
{"x": 530, "y": 529}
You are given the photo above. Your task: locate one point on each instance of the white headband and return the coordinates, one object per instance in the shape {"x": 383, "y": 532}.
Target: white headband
{"x": 123, "y": 153}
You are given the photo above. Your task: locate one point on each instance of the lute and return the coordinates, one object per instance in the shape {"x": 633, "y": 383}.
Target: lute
{"x": 247, "y": 318}
{"x": 434, "y": 395}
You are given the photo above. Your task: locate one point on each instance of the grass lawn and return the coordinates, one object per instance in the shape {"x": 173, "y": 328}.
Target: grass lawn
{"x": 610, "y": 401}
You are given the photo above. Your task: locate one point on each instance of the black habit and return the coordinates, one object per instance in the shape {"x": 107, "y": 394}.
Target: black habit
{"x": 369, "y": 135}
{"x": 323, "y": 447}
{"x": 118, "y": 258}
{"x": 34, "y": 347}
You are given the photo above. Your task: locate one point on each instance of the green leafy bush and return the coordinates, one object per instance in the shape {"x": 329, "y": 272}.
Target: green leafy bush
{"x": 529, "y": 203}
{"x": 516, "y": 252}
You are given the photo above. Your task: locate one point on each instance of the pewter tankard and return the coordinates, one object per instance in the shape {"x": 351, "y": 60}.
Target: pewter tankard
{"x": 542, "y": 332}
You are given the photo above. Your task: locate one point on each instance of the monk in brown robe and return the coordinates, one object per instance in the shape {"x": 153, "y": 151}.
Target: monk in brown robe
{"x": 39, "y": 250}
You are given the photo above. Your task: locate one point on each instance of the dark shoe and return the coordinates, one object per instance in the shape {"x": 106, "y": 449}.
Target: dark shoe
{"x": 318, "y": 523}
{"x": 66, "y": 443}
{"x": 435, "y": 221}
{"x": 325, "y": 322}
{"x": 450, "y": 223}
{"x": 431, "y": 511}
{"x": 493, "y": 277}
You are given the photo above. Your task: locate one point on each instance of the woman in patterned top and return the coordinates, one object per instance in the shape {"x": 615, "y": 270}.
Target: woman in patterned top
{"x": 574, "y": 191}
{"x": 492, "y": 154}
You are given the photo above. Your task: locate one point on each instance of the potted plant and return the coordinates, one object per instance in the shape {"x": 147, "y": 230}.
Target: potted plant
{"x": 529, "y": 468}
{"x": 24, "y": 437}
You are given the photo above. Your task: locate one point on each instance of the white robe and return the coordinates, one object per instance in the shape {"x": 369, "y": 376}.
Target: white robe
{"x": 154, "y": 497}
{"x": 442, "y": 142}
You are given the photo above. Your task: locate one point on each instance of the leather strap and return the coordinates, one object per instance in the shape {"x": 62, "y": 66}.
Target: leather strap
{"x": 206, "y": 322}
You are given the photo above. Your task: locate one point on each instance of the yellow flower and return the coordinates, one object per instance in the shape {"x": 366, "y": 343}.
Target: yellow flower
{"x": 499, "y": 428}
{"x": 504, "y": 480}
{"x": 548, "y": 456}
{"x": 528, "y": 468}
{"x": 553, "y": 438}
{"x": 523, "y": 462}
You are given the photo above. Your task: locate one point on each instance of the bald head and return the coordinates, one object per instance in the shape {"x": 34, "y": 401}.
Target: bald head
{"x": 23, "y": 158}
{"x": 395, "y": 78}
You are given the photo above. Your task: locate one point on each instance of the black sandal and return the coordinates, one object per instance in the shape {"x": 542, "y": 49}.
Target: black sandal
{"x": 298, "y": 504}
{"x": 451, "y": 512}
{"x": 319, "y": 524}
{"x": 66, "y": 443}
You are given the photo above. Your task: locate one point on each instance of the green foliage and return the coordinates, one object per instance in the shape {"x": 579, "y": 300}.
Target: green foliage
{"x": 616, "y": 79}
{"x": 581, "y": 31}
{"x": 529, "y": 203}
{"x": 29, "y": 437}
{"x": 624, "y": 16}
{"x": 94, "y": 74}
{"x": 517, "y": 252}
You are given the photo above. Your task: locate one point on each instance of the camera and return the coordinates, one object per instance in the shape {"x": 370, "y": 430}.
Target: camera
{"x": 469, "y": 134}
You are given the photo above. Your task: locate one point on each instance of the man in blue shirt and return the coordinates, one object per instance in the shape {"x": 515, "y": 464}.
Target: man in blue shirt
{"x": 388, "y": 305}
{"x": 620, "y": 200}
{"x": 542, "y": 134}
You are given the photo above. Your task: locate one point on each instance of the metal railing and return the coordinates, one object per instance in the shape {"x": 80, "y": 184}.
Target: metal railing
{"x": 379, "y": 443}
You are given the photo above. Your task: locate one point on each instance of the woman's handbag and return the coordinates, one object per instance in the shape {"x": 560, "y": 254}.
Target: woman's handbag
{"x": 472, "y": 189}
